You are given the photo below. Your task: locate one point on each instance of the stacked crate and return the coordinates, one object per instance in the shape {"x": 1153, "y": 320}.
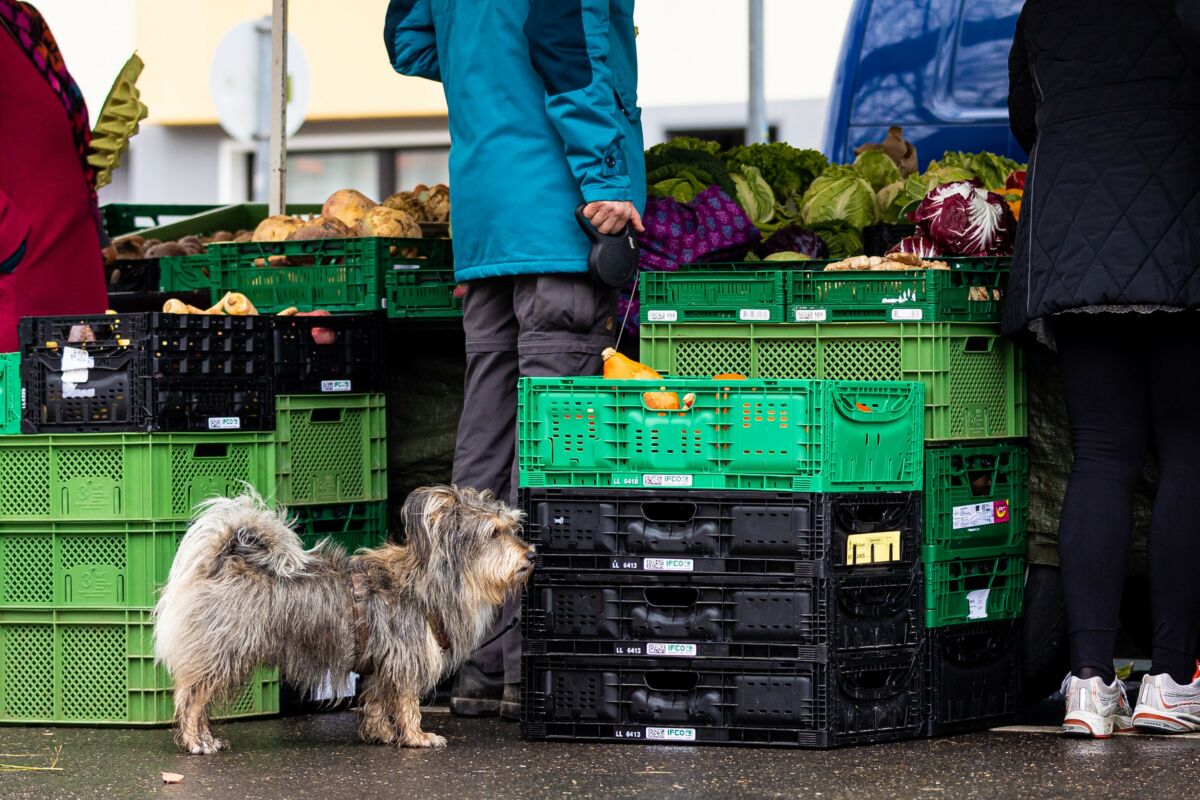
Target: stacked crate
{"x": 743, "y": 570}
{"x": 939, "y": 327}
{"x": 97, "y": 495}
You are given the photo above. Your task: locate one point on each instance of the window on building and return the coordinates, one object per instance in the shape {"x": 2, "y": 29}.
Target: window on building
{"x": 726, "y": 137}
{"x": 314, "y": 175}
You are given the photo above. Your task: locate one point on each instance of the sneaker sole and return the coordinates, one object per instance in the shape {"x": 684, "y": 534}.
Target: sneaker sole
{"x": 1093, "y": 726}
{"x": 1159, "y": 723}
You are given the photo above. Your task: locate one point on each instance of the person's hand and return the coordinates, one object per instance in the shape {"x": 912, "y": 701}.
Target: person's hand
{"x": 610, "y": 216}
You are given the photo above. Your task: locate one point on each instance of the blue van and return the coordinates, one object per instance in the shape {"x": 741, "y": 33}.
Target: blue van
{"x": 938, "y": 68}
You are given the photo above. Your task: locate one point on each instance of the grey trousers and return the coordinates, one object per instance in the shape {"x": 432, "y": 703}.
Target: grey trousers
{"x": 522, "y": 326}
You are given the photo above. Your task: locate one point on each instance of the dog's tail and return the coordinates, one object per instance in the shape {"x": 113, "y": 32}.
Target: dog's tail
{"x": 242, "y": 528}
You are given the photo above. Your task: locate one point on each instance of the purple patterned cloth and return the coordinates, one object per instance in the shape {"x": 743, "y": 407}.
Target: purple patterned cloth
{"x": 711, "y": 227}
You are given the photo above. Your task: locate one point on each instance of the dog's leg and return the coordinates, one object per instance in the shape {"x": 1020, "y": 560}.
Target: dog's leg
{"x": 407, "y": 713}
{"x": 191, "y": 717}
{"x": 374, "y": 724}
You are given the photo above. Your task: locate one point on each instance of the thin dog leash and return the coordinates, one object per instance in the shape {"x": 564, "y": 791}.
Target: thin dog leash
{"x": 628, "y": 307}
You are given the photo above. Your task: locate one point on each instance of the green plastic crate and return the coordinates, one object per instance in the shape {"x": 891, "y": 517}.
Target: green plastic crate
{"x": 418, "y": 292}
{"x": 205, "y": 219}
{"x": 341, "y": 276}
{"x": 86, "y": 564}
{"x": 974, "y": 379}
{"x": 976, "y": 501}
{"x": 811, "y": 436}
{"x": 701, "y": 293}
{"x": 179, "y": 274}
{"x": 974, "y": 590}
{"x": 124, "y": 218}
{"x": 331, "y": 449}
{"x": 972, "y": 290}
{"x": 351, "y": 525}
{"x": 85, "y": 477}
{"x": 10, "y": 393}
{"x": 96, "y": 667}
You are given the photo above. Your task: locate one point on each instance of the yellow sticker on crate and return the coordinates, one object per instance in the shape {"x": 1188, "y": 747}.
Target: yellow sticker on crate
{"x": 872, "y": 548}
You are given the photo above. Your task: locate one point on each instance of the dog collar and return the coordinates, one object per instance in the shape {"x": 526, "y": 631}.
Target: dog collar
{"x": 438, "y": 626}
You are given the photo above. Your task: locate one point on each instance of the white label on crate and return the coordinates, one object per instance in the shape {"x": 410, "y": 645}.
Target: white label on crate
{"x": 70, "y": 388}
{"x": 907, "y": 315}
{"x": 671, "y": 734}
{"x": 810, "y": 315}
{"x": 659, "y": 315}
{"x": 977, "y": 603}
{"x": 672, "y": 481}
{"x": 668, "y": 564}
{"x": 979, "y": 514}
{"x": 406, "y": 266}
{"x": 335, "y": 386}
{"x": 224, "y": 423}
{"x": 754, "y": 315}
{"x": 74, "y": 358}
{"x": 670, "y": 649}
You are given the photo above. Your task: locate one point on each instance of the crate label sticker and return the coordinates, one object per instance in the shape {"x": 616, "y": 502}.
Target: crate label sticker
{"x": 977, "y": 515}
{"x": 811, "y": 315}
{"x": 656, "y": 315}
{"x": 872, "y": 548}
{"x": 977, "y": 603}
{"x": 754, "y": 315}
{"x": 224, "y": 423}
{"x": 73, "y": 358}
{"x": 671, "y": 734}
{"x": 907, "y": 315}
{"x": 670, "y": 649}
{"x": 335, "y": 386}
{"x": 405, "y": 266}
{"x": 674, "y": 481}
{"x": 668, "y": 564}
{"x": 70, "y": 389}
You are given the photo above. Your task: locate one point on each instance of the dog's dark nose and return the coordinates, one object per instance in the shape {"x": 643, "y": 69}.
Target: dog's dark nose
{"x": 530, "y": 556}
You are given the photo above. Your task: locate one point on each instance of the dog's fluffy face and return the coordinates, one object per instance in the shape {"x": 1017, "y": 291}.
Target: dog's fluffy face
{"x": 473, "y": 533}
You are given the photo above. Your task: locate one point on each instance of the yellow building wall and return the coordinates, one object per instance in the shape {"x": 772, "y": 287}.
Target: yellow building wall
{"x": 342, "y": 40}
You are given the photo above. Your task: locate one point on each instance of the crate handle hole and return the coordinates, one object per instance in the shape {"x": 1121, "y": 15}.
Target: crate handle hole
{"x": 318, "y": 415}
{"x": 665, "y": 511}
{"x": 672, "y": 681}
{"x": 979, "y": 344}
{"x": 672, "y": 597}
{"x": 981, "y": 482}
{"x": 211, "y": 450}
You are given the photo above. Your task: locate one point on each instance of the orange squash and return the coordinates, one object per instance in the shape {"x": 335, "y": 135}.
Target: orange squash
{"x": 729, "y": 376}
{"x": 620, "y": 368}
{"x": 661, "y": 401}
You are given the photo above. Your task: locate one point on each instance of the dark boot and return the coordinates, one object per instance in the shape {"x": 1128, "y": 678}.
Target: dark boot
{"x": 510, "y": 705}
{"x": 475, "y": 693}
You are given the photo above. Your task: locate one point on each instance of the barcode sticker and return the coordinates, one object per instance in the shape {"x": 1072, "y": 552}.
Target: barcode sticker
{"x": 907, "y": 315}
{"x": 335, "y": 386}
{"x": 671, "y": 734}
{"x": 668, "y": 564}
{"x": 977, "y": 604}
{"x": 224, "y": 423}
{"x": 977, "y": 515}
{"x": 811, "y": 315}
{"x": 658, "y": 315}
{"x": 755, "y": 315}
{"x": 670, "y": 649}
{"x": 673, "y": 481}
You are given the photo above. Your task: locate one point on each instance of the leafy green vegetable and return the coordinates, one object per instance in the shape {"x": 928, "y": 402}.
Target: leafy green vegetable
{"x": 754, "y": 195}
{"x": 990, "y": 168}
{"x": 683, "y": 190}
{"x": 686, "y": 143}
{"x": 884, "y": 198}
{"x": 914, "y": 189}
{"x": 784, "y": 256}
{"x": 877, "y": 168}
{"x": 839, "y": 194}
{"x": 697, "y": 166}
{"x": 842, "y": 238}
{"x": 788, "y": 170}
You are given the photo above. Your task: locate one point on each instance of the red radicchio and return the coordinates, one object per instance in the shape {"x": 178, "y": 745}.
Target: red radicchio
{"x": 964, "y": 219}
{"x": 1016, "y": 180}
{"x": 918, "y": 243}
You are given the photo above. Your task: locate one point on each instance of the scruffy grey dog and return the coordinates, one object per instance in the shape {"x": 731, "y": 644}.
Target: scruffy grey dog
{"x": 243, "y": 592}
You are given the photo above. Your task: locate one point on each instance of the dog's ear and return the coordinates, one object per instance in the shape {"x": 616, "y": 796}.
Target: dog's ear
{"x": 422, "y": 513}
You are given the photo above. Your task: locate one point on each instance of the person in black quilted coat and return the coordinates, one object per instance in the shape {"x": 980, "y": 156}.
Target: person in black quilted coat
{"x": 1105, "y": 97}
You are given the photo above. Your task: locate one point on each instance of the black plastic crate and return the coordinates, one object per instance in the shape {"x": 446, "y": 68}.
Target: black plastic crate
{"x": 146, "y": 372}
{"x": 796, "y": 704}
{"x": 716, "y": 533}
{"x": 652, "y": 616}
{"x": 319, "y": 355}
{"x": 974, "y": 676}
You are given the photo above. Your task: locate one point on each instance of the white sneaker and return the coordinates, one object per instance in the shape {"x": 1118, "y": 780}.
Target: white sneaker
{"x": 1095, "y": 709}
{"x": 1166, "y": 707}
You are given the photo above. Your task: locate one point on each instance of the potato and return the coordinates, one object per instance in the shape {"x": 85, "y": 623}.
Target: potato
{"x": 221, "y": 236}
{"x": 408, "y": 203}
{"x": 275, "y": 229}
{"x": 244, "y": 236}
{"x": 321, "y": 228}
{"x": 348, "y": 206}
{"x": 384, "y": 221}
{"x": 167, "y": 249}
{"x": 437, "y": 206}
{"x": 130, "y": 247}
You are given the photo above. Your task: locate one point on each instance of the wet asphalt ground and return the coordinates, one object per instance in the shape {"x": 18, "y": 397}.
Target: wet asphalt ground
{"x": 319, "y": 757}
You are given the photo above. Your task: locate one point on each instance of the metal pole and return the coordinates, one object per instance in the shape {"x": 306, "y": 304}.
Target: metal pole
{"x": 279, "y": 98}
{"x": 262, "y": 111}
{"x": 756, "y": 124}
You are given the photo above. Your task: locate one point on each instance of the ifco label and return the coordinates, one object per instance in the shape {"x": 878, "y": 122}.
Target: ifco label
{"x": 671, "y": 734}
{"x": 655, "y": 315}
{"x": 907, "y": 315}
{"x": 335, "y": 386}
{"x": 224, "y": 423}
{"x": 674, "y": 481}
{"x": 668, "y": 564}
{"x": 670, "y": 649}
{"x": 980, "y": 514}
{"x": 810, "y": 315}
{"x": 755, "y": 315}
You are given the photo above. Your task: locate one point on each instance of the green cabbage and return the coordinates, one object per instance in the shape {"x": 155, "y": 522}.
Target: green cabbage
{"x": 842, "y": 238}
{"x": 754, "y": 195}
{"x": 990, "y": 168}
{"x": 839, "y": 194}
{"x": 686, "y": 143}
{"x": 788, "y": 170}
{"x": 877, "y": 168}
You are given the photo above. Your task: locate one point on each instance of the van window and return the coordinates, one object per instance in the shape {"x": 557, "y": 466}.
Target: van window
{"x": 984, "y": 36}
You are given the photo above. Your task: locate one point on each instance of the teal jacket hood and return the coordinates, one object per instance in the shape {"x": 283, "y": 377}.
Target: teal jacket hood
{"x": 542, "y": 97}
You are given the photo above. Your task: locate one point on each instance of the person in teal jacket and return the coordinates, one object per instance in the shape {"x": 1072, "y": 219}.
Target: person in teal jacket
{"x": 543, "y": 114}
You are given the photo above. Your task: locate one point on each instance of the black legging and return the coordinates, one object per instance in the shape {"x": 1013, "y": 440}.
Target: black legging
{"x": 1131, "y": 380}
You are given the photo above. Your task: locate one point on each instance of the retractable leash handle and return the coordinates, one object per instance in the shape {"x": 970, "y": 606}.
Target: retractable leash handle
{"x": 613, "y": 259}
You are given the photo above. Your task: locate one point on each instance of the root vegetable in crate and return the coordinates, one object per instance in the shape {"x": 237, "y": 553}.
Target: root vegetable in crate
{"x": 275, "y": 229}
{"x": 348, "y": 206}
